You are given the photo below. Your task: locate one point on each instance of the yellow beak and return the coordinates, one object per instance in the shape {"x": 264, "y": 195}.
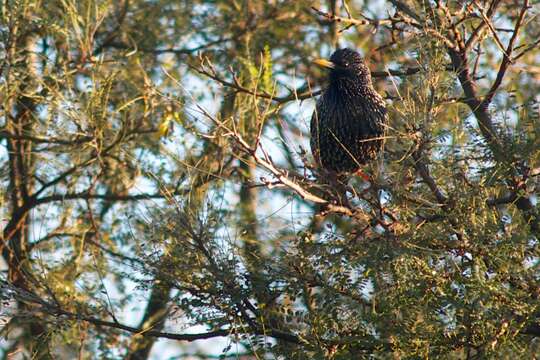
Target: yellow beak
{"x": 324, "y": 63}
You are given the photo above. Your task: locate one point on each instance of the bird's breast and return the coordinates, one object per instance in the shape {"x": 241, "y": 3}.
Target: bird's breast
{"x": 347, "y": 128}
{"x": 365, "y": 112}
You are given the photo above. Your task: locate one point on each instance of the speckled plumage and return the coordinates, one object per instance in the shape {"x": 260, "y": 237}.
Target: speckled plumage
{"x": 348, "y": 114}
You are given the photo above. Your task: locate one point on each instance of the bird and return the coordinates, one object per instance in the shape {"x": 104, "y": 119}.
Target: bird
{"x": 348, "y": 124}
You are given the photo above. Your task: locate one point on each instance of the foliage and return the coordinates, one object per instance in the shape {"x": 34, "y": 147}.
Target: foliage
{"x": 156, "y": 182}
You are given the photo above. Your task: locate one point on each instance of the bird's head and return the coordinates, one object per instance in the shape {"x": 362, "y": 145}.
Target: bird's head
{"x": 346, "y": 63}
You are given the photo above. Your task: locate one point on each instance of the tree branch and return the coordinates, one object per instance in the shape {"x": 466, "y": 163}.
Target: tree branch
{"x": 480, "y": 28}
{"x": 478, "y": 107}
{"x": 507, "y": 54}
{"x": 85, "y": 195}
{"x": 4, "y": 134}
{"x": 301, "y": 93}
{"x": 176, "y": 51}
{"x": 352, "y": 21}
{"x": 27, "y": 297}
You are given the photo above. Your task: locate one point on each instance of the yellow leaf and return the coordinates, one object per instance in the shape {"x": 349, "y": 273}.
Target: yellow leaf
{"x": 163, "y": 128}
{"x": 177, "y": 117}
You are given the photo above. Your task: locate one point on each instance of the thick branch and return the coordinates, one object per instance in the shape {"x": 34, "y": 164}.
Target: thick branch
{"x": 478, "y": 107}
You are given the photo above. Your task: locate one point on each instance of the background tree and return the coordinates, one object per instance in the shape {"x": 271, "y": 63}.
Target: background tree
{"x": 157, "y": 183}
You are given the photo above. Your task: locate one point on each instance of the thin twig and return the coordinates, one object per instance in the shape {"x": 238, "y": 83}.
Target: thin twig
{"x": 507, "y": 59}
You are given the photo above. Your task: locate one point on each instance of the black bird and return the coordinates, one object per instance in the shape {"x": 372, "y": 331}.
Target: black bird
{"x": 348, "y": 124}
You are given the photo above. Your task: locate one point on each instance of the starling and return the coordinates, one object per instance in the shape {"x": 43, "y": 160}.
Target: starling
{"x": 348, "y": 124}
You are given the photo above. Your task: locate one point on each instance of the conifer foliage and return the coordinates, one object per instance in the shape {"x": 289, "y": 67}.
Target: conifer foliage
{"x": 158, "y": 196}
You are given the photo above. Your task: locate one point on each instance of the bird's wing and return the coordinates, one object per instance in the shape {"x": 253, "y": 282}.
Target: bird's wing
{"x": 314, "y": 133}
{"x": 373, "y": 114}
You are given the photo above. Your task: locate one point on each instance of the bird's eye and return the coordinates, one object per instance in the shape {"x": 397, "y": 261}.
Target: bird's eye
{"x": 345, "y": 63}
